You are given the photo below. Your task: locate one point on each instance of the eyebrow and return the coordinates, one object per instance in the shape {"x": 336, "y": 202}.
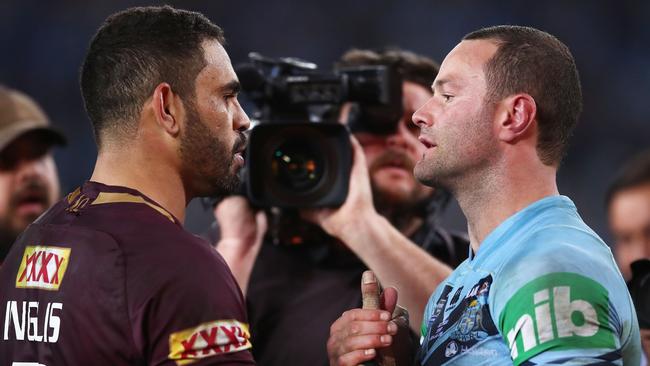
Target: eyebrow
{"x": 233, "y": 87}
{"x": 440, "y": 83}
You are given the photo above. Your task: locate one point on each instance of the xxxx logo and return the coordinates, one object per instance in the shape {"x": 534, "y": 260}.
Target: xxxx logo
{"x": 208, "y": 339}
{"x": 42, "y": 267}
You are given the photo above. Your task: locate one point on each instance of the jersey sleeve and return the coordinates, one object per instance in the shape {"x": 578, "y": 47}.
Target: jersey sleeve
{"x": 557, "y": 304}
{"x": 196, "y": 316}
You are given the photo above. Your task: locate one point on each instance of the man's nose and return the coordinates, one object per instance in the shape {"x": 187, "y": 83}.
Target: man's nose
{"x": 424, "y": 115}
{"x": 242, "y": 122}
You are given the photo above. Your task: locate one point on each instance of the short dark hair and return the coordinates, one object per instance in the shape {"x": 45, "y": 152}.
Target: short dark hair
{"x": 135, "y": 50}
{"x": 635, "y": 173}
{"x": 410, "y": 66}
{"x": 532, "y": 61}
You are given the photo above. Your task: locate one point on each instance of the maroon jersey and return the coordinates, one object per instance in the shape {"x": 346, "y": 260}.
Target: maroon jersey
{"x": 108, "y": 277}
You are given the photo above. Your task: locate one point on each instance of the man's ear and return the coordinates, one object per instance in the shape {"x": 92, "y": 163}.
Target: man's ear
{"x": 517, "y": 117}
{"x": 167, "y": 108}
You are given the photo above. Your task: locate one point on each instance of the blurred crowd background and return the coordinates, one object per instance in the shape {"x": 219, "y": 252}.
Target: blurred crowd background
{"x": 43, "y": 43}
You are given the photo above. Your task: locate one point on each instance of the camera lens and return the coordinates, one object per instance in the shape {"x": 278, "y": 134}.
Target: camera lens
{"x": 296, "y": 166}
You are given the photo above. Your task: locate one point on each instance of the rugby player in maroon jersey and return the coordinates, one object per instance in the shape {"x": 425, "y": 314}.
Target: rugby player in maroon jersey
{"x": 108, "y": 276}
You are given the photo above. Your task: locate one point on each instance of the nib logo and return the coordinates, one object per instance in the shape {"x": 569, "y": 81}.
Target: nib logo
{"x": 543, "y": 322}
{"x": 559, "y": 311}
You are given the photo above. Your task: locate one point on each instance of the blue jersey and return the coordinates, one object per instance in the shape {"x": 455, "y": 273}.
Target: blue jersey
{"x": 543, "y": 288}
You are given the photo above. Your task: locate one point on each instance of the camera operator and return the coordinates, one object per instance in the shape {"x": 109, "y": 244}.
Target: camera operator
{"x": 296, "y": 292}
{"x": 628, "y": 206}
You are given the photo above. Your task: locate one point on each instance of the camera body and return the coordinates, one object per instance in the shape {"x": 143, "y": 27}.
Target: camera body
{"x": 299, "y": 155}
{"x": 298, "y": 165}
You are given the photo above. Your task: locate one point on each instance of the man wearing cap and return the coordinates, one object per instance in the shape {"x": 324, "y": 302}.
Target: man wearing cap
{"x": 29, "y": 183}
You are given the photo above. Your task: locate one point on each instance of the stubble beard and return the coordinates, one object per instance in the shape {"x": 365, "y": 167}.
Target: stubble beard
{"x": 206, "y": 160}
{"x": 460, "y": 158}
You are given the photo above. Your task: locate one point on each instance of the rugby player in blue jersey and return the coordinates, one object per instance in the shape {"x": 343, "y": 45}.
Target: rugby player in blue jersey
{"x": 539, "y": 286}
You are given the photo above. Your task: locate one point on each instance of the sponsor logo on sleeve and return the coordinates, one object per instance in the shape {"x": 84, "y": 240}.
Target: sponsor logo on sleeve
{"x": 558, "y": 311}
{"x": 208, "y": 339}
{"x": 42, "y": 267}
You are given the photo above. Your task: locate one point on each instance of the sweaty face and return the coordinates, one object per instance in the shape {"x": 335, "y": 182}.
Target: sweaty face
{"x": 391, "y": 158}
{"x": 456, "y": 123}
{"x": 213, "y": 139}
{"x": 629, "y": 220}
{"x": 29, "y": 185}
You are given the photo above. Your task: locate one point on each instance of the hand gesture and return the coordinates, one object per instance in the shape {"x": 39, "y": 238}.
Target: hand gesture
{"x": 361, "y": 335}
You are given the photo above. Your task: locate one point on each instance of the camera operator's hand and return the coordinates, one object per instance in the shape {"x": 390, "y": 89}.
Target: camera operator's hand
{"x": 361, "y": 335}
{"x": 242, "y": 232}
{"x": 357, "y": 206}
{"x": 392, "y": 256}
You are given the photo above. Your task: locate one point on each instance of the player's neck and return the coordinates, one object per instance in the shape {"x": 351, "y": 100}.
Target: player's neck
{"x": 144, "y": 173}
{"x": 500, "y": 194}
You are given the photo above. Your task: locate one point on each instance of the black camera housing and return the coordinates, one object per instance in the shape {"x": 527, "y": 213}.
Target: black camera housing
{"x": 295, "y": 165}
{"x": 299, "y": 155}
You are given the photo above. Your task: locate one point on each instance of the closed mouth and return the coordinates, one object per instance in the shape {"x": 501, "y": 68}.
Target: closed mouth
{"x": 428, "y": 144}
{"x": 240, "y": 145}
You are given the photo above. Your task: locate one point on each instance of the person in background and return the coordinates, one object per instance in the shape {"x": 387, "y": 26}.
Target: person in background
{"x": 295, "y": 292}
{"x": 628, "y": 208}
{"x": 29, "y": 183}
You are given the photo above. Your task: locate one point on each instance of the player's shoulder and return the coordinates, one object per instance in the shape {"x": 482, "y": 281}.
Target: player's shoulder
{"x": 122, "y": 212}
{"x": 558, "y": 279}
{"x": 558, "y": 252}
{"x": 108, "y": 208}
{"x": 560, "y": 246}
{"x": 120, "y": 209}
{"x": 170, "y": 253}
{"x": 147, "y": 234}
